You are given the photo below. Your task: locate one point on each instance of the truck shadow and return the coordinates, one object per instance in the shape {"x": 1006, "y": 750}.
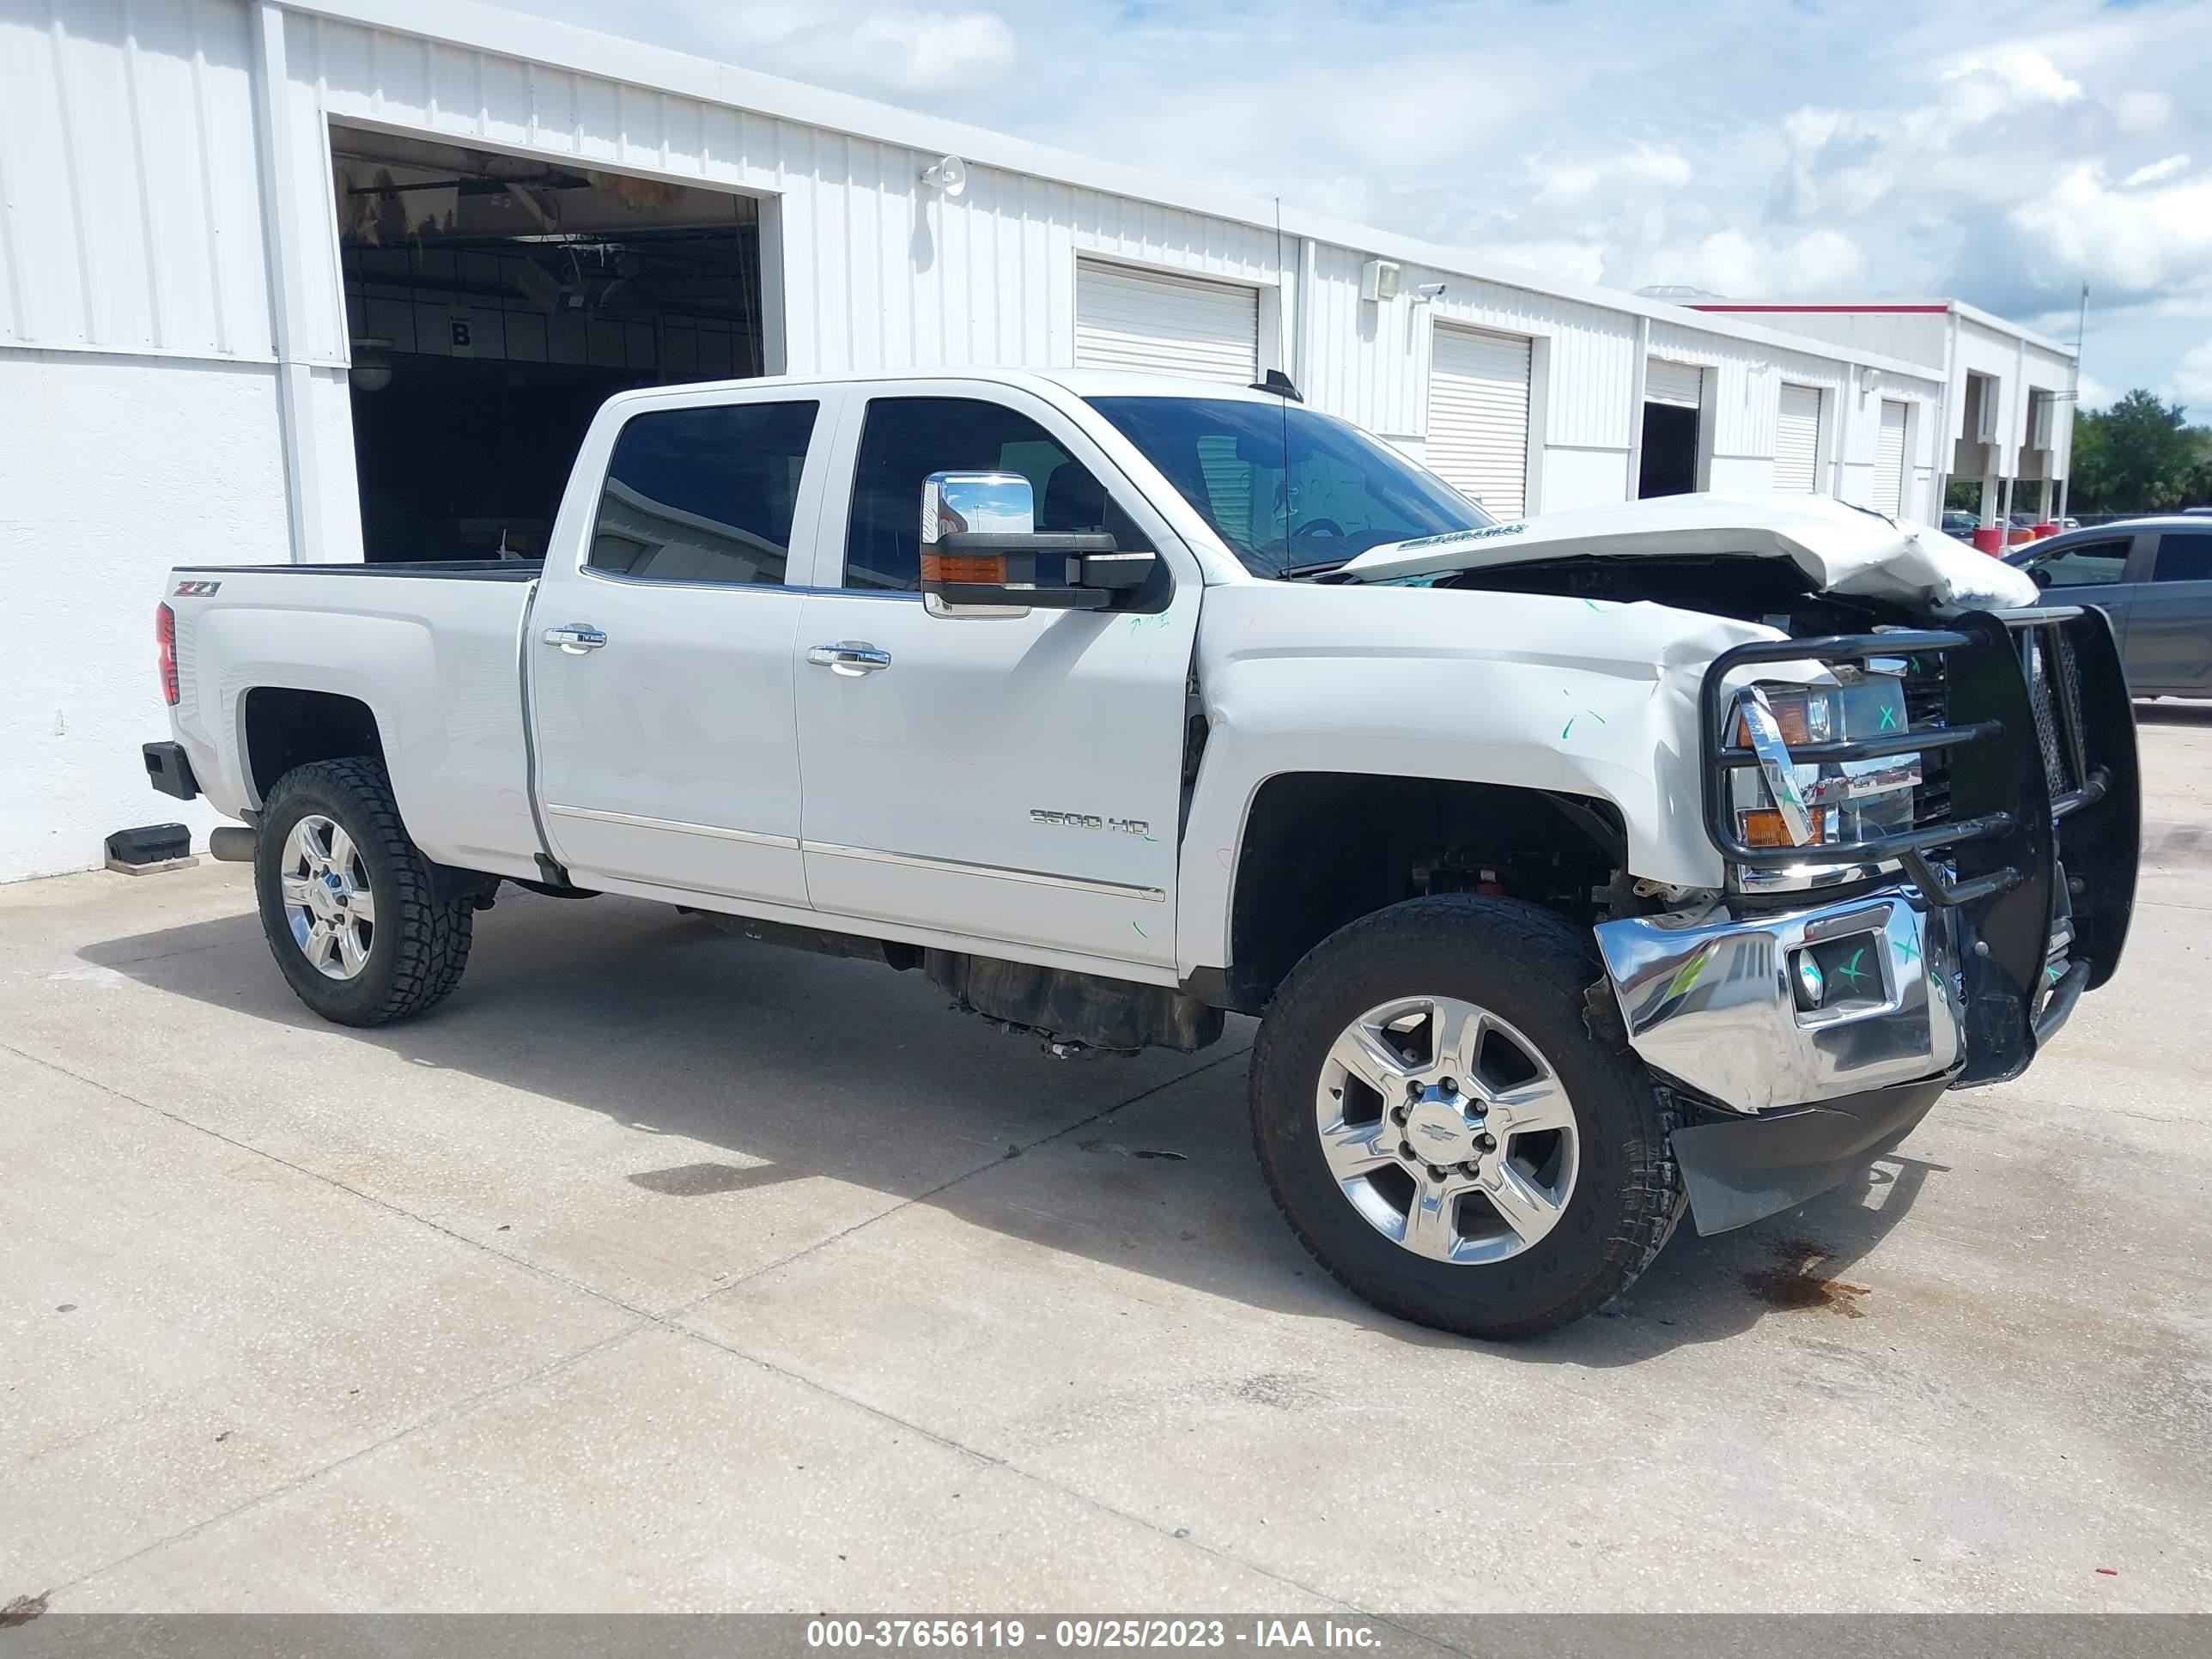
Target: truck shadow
{"x": 800, "y": 1067}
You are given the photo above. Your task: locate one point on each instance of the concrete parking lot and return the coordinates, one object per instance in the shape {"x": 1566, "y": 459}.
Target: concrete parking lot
{"x": 657, "y": 1270}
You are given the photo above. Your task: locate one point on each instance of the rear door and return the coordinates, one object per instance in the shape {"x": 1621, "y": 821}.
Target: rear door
{"x": 2169, "y": 642}
{"x": 1005, "y": 778}
{"x": 659, "y": 648}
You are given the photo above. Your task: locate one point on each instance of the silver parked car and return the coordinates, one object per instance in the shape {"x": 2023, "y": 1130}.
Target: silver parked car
{"x": 2152, "y": 577}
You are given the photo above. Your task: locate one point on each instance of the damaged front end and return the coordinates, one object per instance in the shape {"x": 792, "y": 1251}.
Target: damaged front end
{"x": 1907, "y": 951}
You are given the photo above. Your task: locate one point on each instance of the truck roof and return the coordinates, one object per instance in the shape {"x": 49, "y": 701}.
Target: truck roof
{"x": 1083, "y": 382}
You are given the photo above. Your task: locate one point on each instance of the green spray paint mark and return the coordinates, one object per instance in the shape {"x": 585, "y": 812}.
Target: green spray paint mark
{"x": 1684, "y": 977}
{"x": 1592, "y": 604}
{"x": 1849, "y": 970}
{"x": 1568, "y": 728}
{"x": 1141, "y": 933}
{"x": 1889, "y": 719}
{"x": 1907, "y": 951}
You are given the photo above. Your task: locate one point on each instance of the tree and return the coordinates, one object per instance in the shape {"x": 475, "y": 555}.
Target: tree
{"x": 2139, "y": 456}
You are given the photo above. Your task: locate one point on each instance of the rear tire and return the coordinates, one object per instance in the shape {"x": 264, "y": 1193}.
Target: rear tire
{"x": 1575, "y": 1220}
{"x": 351, "y": 971}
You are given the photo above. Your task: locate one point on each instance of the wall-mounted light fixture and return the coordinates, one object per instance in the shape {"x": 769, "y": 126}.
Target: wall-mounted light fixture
{"x": 1378, "y": 280}
{"x": 948, "y": 176}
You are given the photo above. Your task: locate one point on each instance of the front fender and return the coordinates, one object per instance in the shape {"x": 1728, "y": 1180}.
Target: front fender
{"x": 1536, "y": 691}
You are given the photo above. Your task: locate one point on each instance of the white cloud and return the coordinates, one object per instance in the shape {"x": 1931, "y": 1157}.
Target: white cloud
{"x": 2142, "y": 112}
{"x": 1572, "y": 181}
{"x": 2024, "y": 73}
{"x": 2134, "y": 239}
{"x": 2192, "y": 380}
{"x": 2155, "y": 170}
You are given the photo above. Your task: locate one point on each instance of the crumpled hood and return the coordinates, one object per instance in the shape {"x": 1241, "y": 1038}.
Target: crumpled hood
{"x": 1843, "y": 548}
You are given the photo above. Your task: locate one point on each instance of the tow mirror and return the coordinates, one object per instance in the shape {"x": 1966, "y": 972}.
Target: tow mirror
{"x": 982, "y": 555}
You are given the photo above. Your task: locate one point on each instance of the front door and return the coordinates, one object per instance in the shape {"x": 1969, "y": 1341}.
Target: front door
{"x": 1013, "y": 778}
{"x": 660, "y": 653}
{"x": 2084, "y": 568}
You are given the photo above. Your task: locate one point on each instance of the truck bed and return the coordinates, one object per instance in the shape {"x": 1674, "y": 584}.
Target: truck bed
{"x": 429, "y": 650}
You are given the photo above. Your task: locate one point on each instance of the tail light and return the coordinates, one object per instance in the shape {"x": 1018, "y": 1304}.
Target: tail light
{"x": 165, "y": 641}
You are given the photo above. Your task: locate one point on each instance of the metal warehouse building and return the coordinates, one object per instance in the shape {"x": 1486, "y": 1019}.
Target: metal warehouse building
{"x": 345, "y": 280}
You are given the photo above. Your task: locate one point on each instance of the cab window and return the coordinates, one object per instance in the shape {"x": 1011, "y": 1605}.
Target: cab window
{"x": 703, "y": 494}
{"x": 905, "y": 439}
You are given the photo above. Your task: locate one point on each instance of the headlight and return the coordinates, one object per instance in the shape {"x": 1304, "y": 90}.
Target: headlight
{"x": 1789, "y": 803}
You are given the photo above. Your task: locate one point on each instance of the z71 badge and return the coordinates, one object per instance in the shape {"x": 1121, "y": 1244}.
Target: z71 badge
{"x": 195, "y": 589}
{"x": 1089, "y": 821}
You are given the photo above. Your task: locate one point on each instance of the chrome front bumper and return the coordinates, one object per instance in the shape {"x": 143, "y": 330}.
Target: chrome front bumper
{"x": 1706, "y": 995}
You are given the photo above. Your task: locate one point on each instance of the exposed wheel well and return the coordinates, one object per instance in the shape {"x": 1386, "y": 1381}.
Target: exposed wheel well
{"x": 286, "y": 727}
{"x": 1324, "y": 848}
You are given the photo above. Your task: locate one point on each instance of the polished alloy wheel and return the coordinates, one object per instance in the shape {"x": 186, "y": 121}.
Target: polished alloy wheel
{"x": 1447, "y": 1129}
{"x": 326, "y": 897}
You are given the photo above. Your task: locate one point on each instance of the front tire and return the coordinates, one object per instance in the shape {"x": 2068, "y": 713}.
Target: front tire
{"x": 1444, "y": 1131}
{"x": 348, "y": 904}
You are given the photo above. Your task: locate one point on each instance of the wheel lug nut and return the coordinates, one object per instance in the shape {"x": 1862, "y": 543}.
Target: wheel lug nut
{"x": 1405, "y": 1149}
{"x": 1449, "y": 1086}
{"x": 1488, "y": 1143}
{"x": 1435, "y": 1173}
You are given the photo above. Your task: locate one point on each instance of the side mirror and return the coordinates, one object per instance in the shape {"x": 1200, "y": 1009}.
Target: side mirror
{"x": 2040, "y": 575}
{"x": 982, "y": 555}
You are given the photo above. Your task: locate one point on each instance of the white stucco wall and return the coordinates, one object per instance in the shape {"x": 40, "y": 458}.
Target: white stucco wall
{"x": 115, "y": 469}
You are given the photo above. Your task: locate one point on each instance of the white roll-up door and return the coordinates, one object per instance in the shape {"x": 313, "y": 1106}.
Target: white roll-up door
{"x": 1479, "y": 417}
{"x": 1160, "y": 325}
{"x": 1797, "y": 439}
{"x": 1889, "y": 459}
{"x": 1678, "y": 384}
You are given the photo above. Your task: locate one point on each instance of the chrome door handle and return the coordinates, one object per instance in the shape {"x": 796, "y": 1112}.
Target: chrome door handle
{"x": 575, "y": 638}
{"x": 848, "y": 657}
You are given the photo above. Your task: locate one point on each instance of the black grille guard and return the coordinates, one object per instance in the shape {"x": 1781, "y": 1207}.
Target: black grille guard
{"x": 2037, "y": 731}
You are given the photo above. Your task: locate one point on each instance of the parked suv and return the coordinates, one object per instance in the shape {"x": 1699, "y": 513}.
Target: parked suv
{"x": 2153, "y": 578}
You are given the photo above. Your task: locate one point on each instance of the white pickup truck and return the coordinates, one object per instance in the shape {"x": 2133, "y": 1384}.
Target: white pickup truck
{"x": 1665, "y": 858}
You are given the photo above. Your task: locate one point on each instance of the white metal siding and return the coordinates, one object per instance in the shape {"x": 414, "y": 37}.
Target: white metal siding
{"x": 1797, "y": 439}
{"x": 129, "y": 200}
{"x": 1479, "y": 417}
{"x": 1679, "y": 384}
{"x": 1162, "y": 324}
{"x": 1889, "y": 459}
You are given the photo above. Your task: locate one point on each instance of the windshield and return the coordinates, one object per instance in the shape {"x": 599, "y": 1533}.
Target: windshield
{"x": 1286, "y": 488}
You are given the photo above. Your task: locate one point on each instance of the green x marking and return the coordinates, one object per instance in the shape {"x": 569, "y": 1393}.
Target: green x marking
{"x": 1889, "y": 719}
{"x": 1849, "y": 970}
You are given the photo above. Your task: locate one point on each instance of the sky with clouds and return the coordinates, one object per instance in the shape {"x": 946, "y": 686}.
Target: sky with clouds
{"x": 2004, "y": 152}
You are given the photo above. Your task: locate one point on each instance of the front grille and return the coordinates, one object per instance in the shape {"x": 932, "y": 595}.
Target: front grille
{"x": 1927, "y": 708}
{"x": 2054, "y": 693}
{"x": 1952, "y": 704}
